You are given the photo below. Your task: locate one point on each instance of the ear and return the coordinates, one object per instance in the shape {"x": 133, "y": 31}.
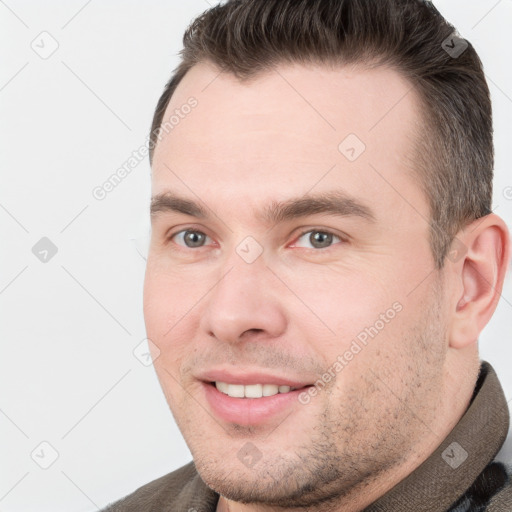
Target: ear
{"x": 480, "y": 256}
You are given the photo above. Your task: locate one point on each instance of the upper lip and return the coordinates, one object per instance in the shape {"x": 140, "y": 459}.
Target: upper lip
{"x": 249, "y": 377}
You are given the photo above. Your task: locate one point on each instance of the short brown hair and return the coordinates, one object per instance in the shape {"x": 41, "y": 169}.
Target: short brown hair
{"x": 454, "y": 154}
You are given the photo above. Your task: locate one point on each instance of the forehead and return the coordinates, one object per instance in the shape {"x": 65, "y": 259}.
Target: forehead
{"x": 287, "y": 131}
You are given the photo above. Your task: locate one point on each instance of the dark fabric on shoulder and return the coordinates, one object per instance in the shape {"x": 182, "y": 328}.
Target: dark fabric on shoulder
{"x": 502, "y": 501}
{"x": 179, "y": 491}
{"x": 491, "y": 486}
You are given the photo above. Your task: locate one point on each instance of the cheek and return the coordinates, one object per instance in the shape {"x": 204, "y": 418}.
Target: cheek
{"x": 160, "y": 315}
{"x": 365, "y": 317}
{"x": 345, "y": 300}
{"x": 168, "y": 297}
{"x": 157, "y": 304}
{"x": 171, "y": 315}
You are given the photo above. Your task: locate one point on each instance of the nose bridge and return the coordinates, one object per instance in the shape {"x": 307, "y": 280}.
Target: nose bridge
{"x": 242, "y": 299}
{"x": 244, "y": 271}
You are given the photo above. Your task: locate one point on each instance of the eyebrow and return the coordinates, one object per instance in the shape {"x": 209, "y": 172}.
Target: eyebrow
{"x": 334, "y": 202}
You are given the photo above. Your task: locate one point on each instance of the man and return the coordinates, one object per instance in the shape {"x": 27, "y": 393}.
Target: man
{"x": 323, "y": 259}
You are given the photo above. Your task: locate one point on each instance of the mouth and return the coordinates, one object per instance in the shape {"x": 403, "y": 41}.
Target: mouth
{"x": 251, "y": 404}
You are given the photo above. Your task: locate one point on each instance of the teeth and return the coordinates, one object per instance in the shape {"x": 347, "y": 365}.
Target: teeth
{"x": 251, "y": 390}
{"x": 222, "y": 386}
{"x": 270, "y": 389}
{"x": 236, "y": 390}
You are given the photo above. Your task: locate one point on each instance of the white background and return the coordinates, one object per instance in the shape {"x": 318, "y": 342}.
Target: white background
{"x": 69, "y": 326}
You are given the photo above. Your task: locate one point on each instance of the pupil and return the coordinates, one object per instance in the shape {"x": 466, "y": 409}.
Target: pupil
{"x": 194, "y": 238}
{"x": 322, "y": 238}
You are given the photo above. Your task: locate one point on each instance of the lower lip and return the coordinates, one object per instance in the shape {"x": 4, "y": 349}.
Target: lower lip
{"x": 249, "y": 411}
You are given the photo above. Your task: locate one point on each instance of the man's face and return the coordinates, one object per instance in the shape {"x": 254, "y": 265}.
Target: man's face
{"x": 347, "y": 300}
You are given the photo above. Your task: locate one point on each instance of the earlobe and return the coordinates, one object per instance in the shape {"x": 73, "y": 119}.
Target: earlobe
{"x": 480, "y": 273}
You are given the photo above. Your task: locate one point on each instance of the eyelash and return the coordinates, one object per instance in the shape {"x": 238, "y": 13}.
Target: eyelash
{"x": 304, "y": 232}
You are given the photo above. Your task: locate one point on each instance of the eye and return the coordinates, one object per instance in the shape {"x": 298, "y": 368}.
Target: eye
{"x": 319, "y": 239}
{"x": 193, "y": 239}
{"x": 190, "y": 238}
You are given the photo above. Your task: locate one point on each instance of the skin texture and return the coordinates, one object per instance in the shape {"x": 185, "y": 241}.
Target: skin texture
{"x": 298, "y": 306}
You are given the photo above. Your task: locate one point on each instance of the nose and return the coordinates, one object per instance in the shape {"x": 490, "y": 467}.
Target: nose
{"x": 244, "y": 304}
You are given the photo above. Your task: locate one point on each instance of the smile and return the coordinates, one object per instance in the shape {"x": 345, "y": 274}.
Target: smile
{"x": 251, "y": 390}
